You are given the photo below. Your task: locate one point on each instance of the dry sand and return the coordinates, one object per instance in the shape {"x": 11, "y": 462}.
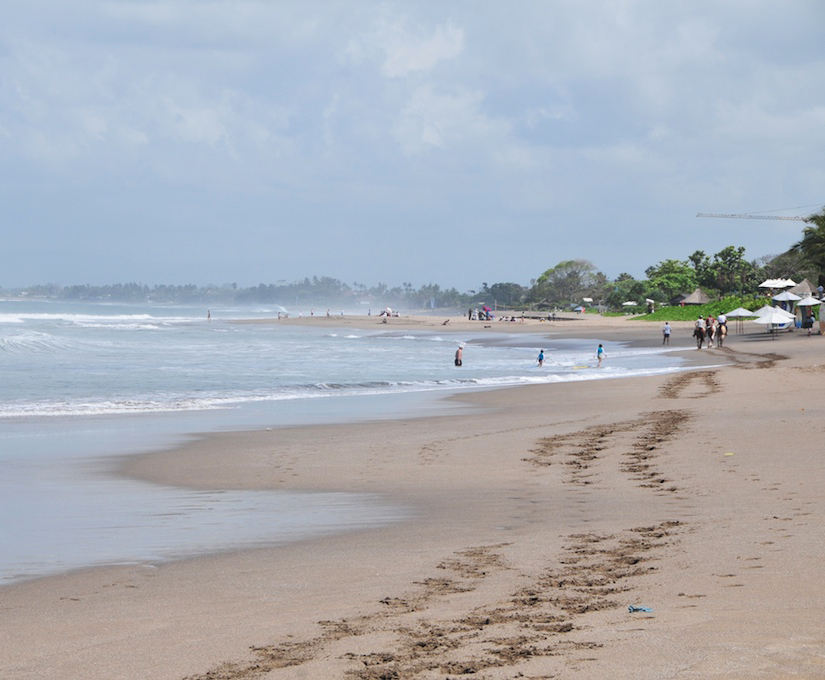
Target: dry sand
{"x": 540, "y": 518}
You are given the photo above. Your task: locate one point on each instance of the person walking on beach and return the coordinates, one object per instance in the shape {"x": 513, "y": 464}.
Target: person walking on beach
{"x": 600, "y": 354}
{"x": 541, "y": 357}
{"x": 459, "y": 356}
{"x": 666, "y": 334}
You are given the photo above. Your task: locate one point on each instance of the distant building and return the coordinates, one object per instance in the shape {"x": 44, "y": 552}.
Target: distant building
{"x": 804, "y": 288}
{"x": 697, "y": 297}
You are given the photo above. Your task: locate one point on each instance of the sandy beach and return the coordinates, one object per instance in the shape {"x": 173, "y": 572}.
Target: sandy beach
{"x": 540, "y": 518}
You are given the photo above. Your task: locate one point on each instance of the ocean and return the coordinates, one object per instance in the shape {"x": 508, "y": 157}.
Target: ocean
{"x": 84, "y": 383}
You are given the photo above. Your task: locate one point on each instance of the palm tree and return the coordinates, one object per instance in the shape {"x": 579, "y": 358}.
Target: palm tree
{"x": 812, "y": 245}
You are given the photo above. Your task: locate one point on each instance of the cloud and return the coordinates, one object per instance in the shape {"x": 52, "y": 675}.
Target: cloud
{"x": 372, "y": 125}
{"x": 443, "y": 119}
{"x": 406, "y": 53}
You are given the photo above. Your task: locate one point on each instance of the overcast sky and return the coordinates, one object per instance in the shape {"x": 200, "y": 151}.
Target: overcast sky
{"x": 455, "y": 142}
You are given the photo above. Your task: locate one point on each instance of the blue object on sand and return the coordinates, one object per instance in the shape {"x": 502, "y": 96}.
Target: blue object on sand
{"x": 637, "y": 608}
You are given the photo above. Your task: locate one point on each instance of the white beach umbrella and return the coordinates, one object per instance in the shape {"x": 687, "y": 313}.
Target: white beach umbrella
{"x": 808, "y": 302}
{"x": 740, "y": 312}
{"x": 777, "y": 283}
{"x": 777, "y": 319}
{"x": 629, "y": 303}
{"x": 768, "y": 310}
{"x": 775, "y": 316}
{"x": 786, "y": 296}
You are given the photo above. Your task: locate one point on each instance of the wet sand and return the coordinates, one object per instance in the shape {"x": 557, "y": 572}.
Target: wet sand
{"x": 539, "y": 519}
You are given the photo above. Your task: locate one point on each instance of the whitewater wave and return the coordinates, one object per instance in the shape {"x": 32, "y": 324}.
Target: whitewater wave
{"x": 127, "y": 321}
{"x": 176, "y": 403}
{"x": 33, "y": 342}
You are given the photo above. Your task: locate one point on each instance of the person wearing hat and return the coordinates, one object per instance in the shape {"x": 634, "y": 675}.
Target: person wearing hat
{"x": 459, "y": 355}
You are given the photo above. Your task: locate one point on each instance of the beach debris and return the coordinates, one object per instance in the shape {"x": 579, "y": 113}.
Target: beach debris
{"x": 638, "y": 608}
{"x": 730, "y": 453}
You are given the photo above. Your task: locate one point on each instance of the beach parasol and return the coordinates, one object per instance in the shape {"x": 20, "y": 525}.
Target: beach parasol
{"x": 786, "y": 296}
{"x": 740, "y": 313}
{"x": 777, "y": 283}
{"x": 767, "y": 309}
{"x": 775, "y": 313}
{"x": 629, "y": 303}
{"x": 775, "y": 319}
{"x": 808, "y": 302}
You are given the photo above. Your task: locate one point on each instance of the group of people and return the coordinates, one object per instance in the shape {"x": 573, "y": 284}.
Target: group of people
{"x": 710, "y": 330}
{"x": 479, "y": 315}
{"x": 459, "y": 356}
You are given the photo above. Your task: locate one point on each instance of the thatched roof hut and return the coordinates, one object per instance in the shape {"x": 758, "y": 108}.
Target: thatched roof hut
{"x": 697, "y": 297}
{"x": 804, "y": 288}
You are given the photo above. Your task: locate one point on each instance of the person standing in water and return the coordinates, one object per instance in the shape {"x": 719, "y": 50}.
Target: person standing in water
{"x": 459, "y": 356}
{"x": 600, "y": 354}
{"x": 541, "y": 357}
{"x": 666, "y": 334}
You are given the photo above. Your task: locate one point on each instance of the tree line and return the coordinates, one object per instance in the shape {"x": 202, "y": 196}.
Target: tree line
{"x": 566, "y": 284}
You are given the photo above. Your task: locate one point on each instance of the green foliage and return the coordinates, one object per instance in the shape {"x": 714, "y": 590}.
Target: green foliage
{"x": 727, "y": 273}
{"x": 317, "y": 290}
{"x": 791, "y": 264}
{"x": 733, "y": 272}
{"x": 505, "y": 294}
{"x": 627, "y": 289}
{"x": 701, "y": 268}
{"x": 715, "y": 308}
{"x": 671, "y": 277}
{"x": 812, "y": 245}
{"x": 564, "y": 284}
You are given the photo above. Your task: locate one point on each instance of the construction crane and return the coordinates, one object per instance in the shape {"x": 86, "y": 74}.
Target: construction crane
{"x": 746, "y": 216}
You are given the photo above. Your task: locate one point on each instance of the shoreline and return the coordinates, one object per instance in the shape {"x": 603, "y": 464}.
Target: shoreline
{"x": 546, "y": 477}
{"x": 119, "y": 547}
